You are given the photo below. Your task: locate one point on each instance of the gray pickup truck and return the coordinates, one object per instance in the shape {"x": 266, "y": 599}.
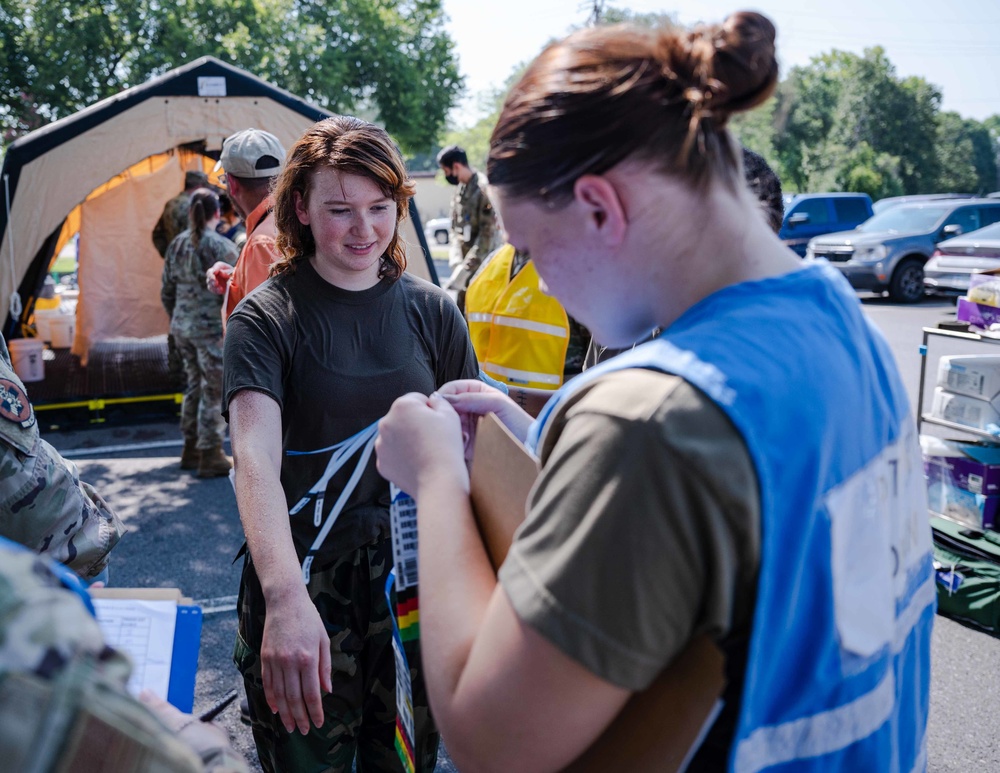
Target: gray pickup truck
{"x": 888, "y": 252}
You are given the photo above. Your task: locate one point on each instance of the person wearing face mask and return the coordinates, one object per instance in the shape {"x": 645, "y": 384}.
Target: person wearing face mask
{"x": 474, "y": 232}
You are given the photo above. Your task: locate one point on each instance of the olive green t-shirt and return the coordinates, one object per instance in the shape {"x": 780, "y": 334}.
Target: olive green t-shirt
{"x": 642, "y": 530}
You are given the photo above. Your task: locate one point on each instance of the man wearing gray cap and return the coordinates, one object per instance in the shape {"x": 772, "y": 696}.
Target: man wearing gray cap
{"x": 251, "y": 158}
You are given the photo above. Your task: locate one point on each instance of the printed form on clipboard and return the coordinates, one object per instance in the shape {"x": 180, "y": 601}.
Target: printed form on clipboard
{"x": 160, "y": 631}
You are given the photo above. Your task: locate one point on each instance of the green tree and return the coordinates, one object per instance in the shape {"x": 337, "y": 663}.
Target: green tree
{"x": 844, "y": 101}
{"x": 956, "y": 156}
{"x": 755, "y": 129}
{"x": 390, "y": 60}
{"x": 981, "y": 145}
{"x": 627, "y": 16}
{"x": 803, "y": 118}
{"x": 475, "y": 139}
{"x": 862, "y": 169}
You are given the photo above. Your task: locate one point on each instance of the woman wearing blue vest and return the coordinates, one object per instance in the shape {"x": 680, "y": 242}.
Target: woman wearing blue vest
{"x": 751, "y": 475}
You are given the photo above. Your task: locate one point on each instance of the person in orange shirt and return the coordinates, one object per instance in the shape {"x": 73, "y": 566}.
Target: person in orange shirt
{"x": 251, "y": 158}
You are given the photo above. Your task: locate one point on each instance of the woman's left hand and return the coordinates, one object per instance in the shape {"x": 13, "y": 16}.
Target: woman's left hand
{"x": 419, "y": 438}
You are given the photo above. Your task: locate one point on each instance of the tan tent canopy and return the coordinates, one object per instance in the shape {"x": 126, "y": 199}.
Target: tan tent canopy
{"x": 106, "y": 172}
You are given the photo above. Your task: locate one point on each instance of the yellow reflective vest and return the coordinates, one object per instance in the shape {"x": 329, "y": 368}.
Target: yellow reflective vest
{"x": 520, "y": 334}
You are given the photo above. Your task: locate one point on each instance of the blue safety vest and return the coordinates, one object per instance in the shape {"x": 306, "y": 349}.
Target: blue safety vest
{"x": 838, "y": 671}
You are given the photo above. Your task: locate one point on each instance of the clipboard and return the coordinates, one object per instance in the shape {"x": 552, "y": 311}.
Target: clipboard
{"x": 660, "y": 727}
{"x": 186, "y": 641}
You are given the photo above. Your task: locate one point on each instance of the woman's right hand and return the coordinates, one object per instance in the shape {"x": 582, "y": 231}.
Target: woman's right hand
{"x": 295, "y": 660}
{"x": 473, "y": 398}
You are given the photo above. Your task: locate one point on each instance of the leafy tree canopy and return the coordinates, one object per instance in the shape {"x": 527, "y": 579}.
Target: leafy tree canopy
{"x": 843, "y": 122}
{"x": 390, "y": 60}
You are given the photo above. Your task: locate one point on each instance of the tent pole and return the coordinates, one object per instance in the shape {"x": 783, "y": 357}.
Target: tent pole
{"x": 15, "y": 307}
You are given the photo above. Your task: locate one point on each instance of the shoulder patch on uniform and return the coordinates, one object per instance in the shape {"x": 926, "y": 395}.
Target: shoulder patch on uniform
{"x": 14, "y": 405}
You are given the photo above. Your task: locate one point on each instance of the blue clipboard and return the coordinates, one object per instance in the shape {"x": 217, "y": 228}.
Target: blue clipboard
{"x": 184, "y": 665}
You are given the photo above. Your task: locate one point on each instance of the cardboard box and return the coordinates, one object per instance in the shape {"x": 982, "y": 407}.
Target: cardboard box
{"x": 962, "y": 409}
{"x": 963, "y": 481}
{"x": 975, "y": 510}
{"x": 658, "y": 727}
{"x": 984, "y": 288}
{"x": 970, "y": 465}
{"x": 978, "y": 314}
{"x": 970, "y": 374}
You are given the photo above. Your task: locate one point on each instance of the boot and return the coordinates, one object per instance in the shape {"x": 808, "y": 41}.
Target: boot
{"x": 214, "y": 463}
{"x": 190, "y": 455}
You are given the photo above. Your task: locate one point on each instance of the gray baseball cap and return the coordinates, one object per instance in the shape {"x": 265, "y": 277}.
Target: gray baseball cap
{"x": 251, "y": 153}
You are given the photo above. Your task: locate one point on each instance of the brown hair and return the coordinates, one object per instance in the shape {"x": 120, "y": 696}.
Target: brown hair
{"x": 204, "y": 206}
{"x": 605, "y": 94}
{"x": 348, "y": 145}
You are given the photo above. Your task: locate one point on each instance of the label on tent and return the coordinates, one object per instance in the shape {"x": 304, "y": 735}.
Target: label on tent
{"x": 211, "y": 86}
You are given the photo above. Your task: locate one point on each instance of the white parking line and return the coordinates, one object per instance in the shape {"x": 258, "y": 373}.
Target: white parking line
{"x": 76, "y": 452}
{"x": 216, "y": 605}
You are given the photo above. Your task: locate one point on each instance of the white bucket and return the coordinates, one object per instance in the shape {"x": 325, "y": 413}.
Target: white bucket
{"x": 62, "y": 328}
{"x": 26, "y": 357}
{"x": 43, "y": 322}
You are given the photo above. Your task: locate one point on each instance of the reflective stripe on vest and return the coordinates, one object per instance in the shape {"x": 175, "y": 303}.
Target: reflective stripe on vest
{"x": 520, "y": 334}
{"x": 838, "y": 670}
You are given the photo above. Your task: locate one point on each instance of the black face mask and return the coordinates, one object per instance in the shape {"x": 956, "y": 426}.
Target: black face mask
{"x": 451, "y": 179}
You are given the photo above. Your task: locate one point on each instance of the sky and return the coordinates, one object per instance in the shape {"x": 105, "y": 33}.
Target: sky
{"x": 956, "y": 48}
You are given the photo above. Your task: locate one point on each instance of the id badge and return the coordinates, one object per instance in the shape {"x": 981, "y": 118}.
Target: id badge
{"x": 467, "y": 233}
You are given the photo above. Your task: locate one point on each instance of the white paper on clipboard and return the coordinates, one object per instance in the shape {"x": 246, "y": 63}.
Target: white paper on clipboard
{"x": 144, "y": 630}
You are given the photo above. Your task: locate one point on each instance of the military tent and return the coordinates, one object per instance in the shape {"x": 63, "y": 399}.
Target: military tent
{"x": 106, "y": 172}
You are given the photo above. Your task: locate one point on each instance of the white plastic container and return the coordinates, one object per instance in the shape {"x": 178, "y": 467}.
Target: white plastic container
{"x": 26, "y": 357}
{"x": 962, "y": 409}
{"x": 62, "y": 328}
{"x": 973, "y": 375}
{"x": 43, "y": 322}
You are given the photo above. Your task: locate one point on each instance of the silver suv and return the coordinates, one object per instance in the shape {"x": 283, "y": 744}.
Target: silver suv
{"x": 888, "y": 251}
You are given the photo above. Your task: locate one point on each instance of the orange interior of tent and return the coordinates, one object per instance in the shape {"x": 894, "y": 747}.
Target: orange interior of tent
{"x": 189, "y": 159}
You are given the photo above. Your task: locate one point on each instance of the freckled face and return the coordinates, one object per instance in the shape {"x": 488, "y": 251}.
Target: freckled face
{"x": 568, "y": 266}
{"x": 352, "y": 221}
{"x": 592, "y": 283}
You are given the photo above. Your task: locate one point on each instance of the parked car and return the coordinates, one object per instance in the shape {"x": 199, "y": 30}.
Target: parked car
{"x": 889, "y": 251}
{"x": 812, "y": 214}
{"x": 956, "y": 260}
{"x": 891, "y": 201}
{"x": 437, "y": 230}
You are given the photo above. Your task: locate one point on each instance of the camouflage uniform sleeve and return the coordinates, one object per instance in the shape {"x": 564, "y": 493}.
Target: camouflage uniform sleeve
{"x": 160, "y": 237}
{"x": 42, "y": 625}
{"x": 48, "y": 509}
{"x": 224, "y": 250}
{"x": 484, "y": 226}
{"x": 168, "y": 286}
{"x": 50, "y": 643}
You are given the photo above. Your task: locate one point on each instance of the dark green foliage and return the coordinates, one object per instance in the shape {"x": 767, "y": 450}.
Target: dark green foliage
{"x": 389, "y": 60}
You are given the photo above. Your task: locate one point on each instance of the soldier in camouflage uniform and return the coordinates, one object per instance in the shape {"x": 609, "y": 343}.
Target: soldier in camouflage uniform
{"x": 174, "y": 218}
{"x": 350, "y": 596}
{"x": 63, "y": 702}
{"x": 474, "y": 231}
{"x": 196, "y": 325}
{"x": 43, "y": 503}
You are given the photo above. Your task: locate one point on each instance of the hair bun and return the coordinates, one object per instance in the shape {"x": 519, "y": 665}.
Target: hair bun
{"x": 723, "y": 68}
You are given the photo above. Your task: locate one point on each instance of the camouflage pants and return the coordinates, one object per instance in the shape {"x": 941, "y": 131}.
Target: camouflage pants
{"x": 201, "y": 413}
{"x": 360, "y": 713}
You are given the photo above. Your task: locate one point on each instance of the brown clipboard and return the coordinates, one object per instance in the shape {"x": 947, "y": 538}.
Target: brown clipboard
{"x": 658, "y": 727}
